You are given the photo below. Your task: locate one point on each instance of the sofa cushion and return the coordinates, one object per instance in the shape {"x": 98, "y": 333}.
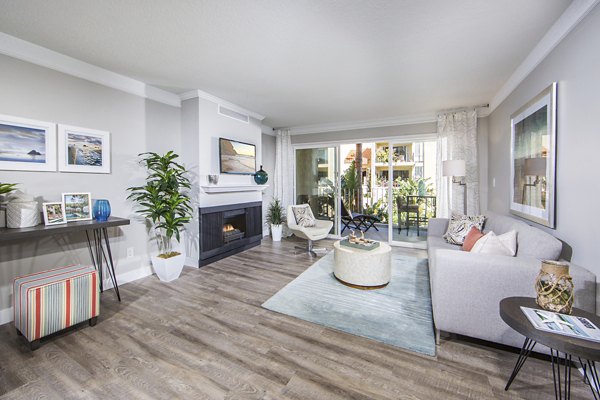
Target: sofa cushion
{"x": 531, "y": 242}
{"x": 503, "y": 245}
{"x": 460, "y": 225}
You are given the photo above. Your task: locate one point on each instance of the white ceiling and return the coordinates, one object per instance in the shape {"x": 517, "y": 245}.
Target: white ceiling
{"x": 300, "y": 62}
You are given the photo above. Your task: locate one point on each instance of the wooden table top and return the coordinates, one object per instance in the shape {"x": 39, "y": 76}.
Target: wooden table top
{"x": 510, "y": 312}
{"x": 43, "y": 230}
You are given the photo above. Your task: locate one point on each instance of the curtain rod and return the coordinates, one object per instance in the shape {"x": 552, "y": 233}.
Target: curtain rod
{"x": 464, "y": 108}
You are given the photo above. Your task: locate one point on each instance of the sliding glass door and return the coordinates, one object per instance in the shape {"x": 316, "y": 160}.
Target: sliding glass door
{"x": 386, "y": 189}
{"x": 317, "y": 177}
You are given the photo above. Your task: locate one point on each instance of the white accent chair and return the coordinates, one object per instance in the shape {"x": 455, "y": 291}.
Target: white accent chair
{"x": 317, "y": 232}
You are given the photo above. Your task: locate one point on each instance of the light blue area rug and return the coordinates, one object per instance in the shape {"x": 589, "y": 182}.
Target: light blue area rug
{"x": 399, "y": 314}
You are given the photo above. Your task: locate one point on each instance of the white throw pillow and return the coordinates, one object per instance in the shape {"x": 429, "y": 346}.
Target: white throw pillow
{"x": 304, "y": 216}
{"x": 503, "y": 245}
{"x": 460, "y": 225}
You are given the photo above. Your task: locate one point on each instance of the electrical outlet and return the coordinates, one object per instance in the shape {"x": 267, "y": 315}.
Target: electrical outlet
{"x": 130, "y": 252}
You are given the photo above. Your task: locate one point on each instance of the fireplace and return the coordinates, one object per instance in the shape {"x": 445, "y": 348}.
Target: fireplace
{"x": 227, "y": 230}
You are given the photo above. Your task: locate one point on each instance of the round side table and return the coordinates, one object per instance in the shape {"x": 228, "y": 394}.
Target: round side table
{"x": 586, "y": 351}
{"x": 363, "y": 269}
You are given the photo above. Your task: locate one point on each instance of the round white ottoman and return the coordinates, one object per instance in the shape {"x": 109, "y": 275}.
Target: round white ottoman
{"x": 363, "y": 269}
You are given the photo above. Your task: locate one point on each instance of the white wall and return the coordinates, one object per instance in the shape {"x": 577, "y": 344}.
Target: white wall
{"x": 136, "y": 125}
{"x": 575, "y": 65}
{"x": 268, "y": 162}
{"x": 202, "y": 126}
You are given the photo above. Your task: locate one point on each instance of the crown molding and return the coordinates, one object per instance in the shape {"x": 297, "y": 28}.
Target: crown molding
{"x": 217, "y": 100}
{"x": 27, "y": 51}
{"x": 365, "y": 124}
{"x": 561, "y": 28}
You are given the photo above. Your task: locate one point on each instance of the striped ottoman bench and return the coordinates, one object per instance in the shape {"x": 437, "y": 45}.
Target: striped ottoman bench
{"x": 49, "y": 301}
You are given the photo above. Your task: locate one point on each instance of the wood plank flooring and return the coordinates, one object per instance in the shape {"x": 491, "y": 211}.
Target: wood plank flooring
{"x": 205, "y": 336}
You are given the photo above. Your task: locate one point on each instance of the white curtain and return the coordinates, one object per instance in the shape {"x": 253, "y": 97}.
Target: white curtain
{"x": 283, "y": 182}
{"x": 457, "y": 140}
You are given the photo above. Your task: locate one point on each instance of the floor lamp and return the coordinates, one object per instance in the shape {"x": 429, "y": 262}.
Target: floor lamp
{"x": 456, "y": 168}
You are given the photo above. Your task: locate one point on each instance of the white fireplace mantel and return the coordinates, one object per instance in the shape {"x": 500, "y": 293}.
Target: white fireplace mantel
{"x": 233, "y": 188}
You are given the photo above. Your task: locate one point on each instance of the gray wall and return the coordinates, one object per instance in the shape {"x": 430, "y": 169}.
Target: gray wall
{"x": 268, "y": 163}
{"x": 575, "y": 65}
{"x": 136, "y": 125}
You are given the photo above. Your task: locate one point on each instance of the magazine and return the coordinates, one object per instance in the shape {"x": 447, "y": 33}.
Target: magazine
{"x": 562, "y": 324}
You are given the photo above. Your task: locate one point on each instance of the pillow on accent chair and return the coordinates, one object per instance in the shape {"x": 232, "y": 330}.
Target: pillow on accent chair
{"x": 472, "y": 237}
{"x": 460, "y": 225}
{"x": 304, "y": 216}
{"x": 503, "y": 245}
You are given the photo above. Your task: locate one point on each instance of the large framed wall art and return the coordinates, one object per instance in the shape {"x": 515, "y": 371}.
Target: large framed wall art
{"x": 27, "y": 144}
{"x": 533, "y": 159}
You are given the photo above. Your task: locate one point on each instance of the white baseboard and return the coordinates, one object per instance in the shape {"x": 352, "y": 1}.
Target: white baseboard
{"x": 6, "y": 315}
{"x": 129, "y": 276}
{"x": 191, "y": 262}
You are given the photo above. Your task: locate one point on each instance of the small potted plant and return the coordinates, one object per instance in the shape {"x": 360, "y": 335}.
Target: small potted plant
{"x": 5, "y": 188}
{"x": 276, "y": 218}
{"x": 164, "y": 203}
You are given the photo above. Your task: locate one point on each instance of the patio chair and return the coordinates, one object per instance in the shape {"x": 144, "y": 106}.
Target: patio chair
{"x": 357, "y": 220}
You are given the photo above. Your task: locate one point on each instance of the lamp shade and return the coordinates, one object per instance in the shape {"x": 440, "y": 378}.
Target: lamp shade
{"x": 535, "y": 166}
{"x": 453, "y": 168}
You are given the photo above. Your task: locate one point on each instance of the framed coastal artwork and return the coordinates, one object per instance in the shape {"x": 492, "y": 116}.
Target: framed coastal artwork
{"x": 78, "y": 206}
{"x": 27, "y": 144}
{"x": 54, "y": 213}
{"x": 83, "y": 150}
{"x": 533, "y": 159}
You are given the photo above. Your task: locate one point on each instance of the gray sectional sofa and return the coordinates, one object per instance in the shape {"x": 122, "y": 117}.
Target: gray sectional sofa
{"x": 466, "y": 288}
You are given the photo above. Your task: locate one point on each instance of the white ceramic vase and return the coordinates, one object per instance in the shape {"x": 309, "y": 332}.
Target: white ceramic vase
{"x": 168, "y": 269}
{"x": 2, "y": 218}
{"x": 276, "y": 232}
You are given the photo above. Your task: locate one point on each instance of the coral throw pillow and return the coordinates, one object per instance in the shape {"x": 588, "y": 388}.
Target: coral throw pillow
{"x": 473, "y": 236}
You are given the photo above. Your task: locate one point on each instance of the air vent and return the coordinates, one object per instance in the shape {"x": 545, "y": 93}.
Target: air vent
{"x": 233, "y": 114}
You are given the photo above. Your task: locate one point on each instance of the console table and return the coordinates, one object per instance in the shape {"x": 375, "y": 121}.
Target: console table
{"x": 99, "y": 251}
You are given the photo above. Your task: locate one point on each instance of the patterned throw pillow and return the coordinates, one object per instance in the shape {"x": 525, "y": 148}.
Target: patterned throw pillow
{"x": 304, "y": 216}
{"x": 460, "y": 225}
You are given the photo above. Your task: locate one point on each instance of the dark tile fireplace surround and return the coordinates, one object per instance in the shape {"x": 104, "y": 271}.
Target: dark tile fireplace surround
{"x": 229, "y": 229}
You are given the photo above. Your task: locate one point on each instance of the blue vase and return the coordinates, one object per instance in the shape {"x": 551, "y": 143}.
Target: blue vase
{"x": 101, "y": 210}
{"x": 261, "y": 177}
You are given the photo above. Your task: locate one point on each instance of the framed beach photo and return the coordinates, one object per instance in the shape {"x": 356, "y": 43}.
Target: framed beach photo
{"x": 533, "y": 159}
{"x": 83, "y": 150}
{"x": 54, "y": 213}
{"x": 78, "y": 206}
{"x": 27, "y": 144}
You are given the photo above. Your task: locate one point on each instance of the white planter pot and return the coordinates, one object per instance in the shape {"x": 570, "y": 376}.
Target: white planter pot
{"x": 276, "y": 232}
{"x": 2, "y": 218}
{"x": 168, "y": 269}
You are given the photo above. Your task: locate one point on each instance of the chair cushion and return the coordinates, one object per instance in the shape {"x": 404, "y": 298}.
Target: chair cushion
{"x": 460, "y": 225}
{"x": 303, "y": 215}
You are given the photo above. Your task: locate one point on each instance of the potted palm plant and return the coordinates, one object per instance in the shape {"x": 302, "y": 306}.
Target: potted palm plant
{"x": 276, "y": 218}
{"x": 5, "y": 188}
{"x": 164, "y": 203}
